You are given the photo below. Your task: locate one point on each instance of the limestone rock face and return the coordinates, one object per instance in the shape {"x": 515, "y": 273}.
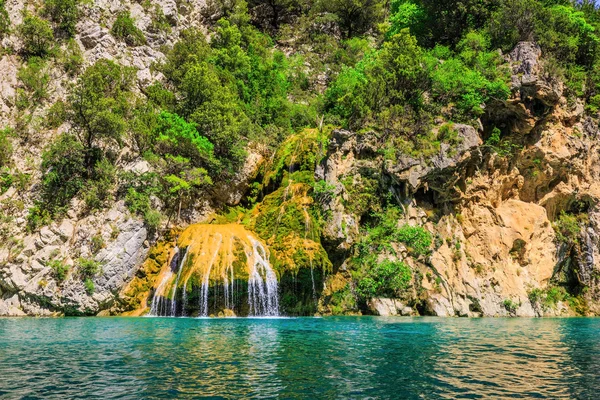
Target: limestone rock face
{"x": 28, "y": 281}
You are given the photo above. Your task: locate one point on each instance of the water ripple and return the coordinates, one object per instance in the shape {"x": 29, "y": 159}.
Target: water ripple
{"x": 151, "y": 358}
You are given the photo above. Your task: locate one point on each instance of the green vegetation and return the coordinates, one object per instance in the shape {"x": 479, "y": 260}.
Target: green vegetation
{"x": 568, "y": 227}
{"x": 511, "y": 306}
{"x": 386, "y": 279}
{"x": 4, "y": 20}
{"x": 124, "y": 29}
{"x": 59, "y": 269}
{"x": 64, "y": 14}
{"x": 377, "y": 277}
{"x": 34, "y": 80}
{"x": 88, "y": 267}
{"x": 89, "y": 286}
{"x": 6, "y": 147}
{"x": 549, "y": 298}
{"x": 37, "y": 36}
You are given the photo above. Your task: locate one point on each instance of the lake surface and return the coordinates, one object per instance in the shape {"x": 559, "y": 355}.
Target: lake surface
{"x": 363, "y": 357}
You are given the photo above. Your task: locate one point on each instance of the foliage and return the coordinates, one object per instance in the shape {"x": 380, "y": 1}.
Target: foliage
{"x": 98, "y": 190}
{"x": 416, "y": 238}
{"x": 36, "y": 34}
{"x": 567, "y": 228}
{"x": 63, "y": 172}
{"x": 323, "y": 192}
{"x": 6, "y": 147}
{"x": 511, "y": 306}
{"x": 99, "y": 104}
{"x": 89, "y": 286}
{"x": 124, "y": 29}
{"x": 388, "y": 278}
{"x": 56, "y": 115}
{"x": 59, "y": 269}
{"x": 88, "y": 267}
{"x": 72, "y": 58}
{"x": 4, "y": 20}
{"x": 64, "y": 13}
{"x": 35, "y": 81}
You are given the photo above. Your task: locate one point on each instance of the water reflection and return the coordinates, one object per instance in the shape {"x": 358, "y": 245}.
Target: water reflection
{"x": 299, "y": 358}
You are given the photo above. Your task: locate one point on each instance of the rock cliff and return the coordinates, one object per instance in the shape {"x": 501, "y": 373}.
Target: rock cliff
{"x": 498, "y": 198}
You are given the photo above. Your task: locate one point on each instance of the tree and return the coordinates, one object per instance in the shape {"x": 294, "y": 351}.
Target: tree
{"x": 63, "y": 172}
{"x": 4, "y": 20}
{"x": 272, "y": 13}
{"x": 355, "y": 17}
{"x": 64, "y": 13}
{"x": 124, "y": 28}
{"x": 174, "y": 136}
{"x": 36, "y": 34}
{"x": 99, "y": 104}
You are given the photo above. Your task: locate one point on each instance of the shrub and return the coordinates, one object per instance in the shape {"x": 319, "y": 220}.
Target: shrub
{"x": 37, "y": 217}
{"x": 72, "y": 58}
{"x": 567, "y": 228}
{"x": 36, "y": 34}
{"x": 98, "y": 243}
{"x": 56, "y": 115}
{"x": 89, "y": 286}
{"x": 59, "y": 269}
{"x": 511, "y": 306}
{"x": 64, "y": 172}
{"x": 6, "y": 147}
{"x": 64, "y": 13}
{"x": 35, "y": 81}
{"x": 388, "y": 278}
{"x": 124, "y": 29}
{"x": 416, "y": 238}
{"x": 99, "y": 105}
{"x": 4, "y": 20}
{"x": 323, "y": 192}
{"x": 99, "y": 187}
{"x": 152, "y": 218}
{"x": 88, "y": 267}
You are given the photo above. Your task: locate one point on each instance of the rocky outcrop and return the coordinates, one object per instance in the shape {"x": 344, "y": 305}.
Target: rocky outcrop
{"x": 491, "y": 212}
{"x": 30, "y": 285}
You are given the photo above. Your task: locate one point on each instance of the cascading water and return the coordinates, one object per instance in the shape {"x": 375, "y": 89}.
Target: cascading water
{"x": 262, "y": 284}
{"x": 216, "y": 265}
{"x": 174, "y": 297}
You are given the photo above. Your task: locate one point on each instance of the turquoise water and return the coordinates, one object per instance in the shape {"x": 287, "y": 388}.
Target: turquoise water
{"x": 366, "y": 357}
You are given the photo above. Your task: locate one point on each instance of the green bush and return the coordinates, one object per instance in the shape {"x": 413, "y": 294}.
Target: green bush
{"x": 567, "y": 228}
{"x": 36, "y": 34}
{"x": 64, "y": 13}
{"x": 4, "y": 20}
{"x": 97, "y": 243}
{"x": 72, "y": 58}
{"x": 64, "y": 172}
{"x": 388, "y": 278}
{"x": 56, "y": 115}
{"x": 37, "y": 217}
{"x": 90, "y": 288}
{"x": 35, "y": 81}
{"x": 6, "y": 148}
{"x": 88, "y": 267}
{"x": 416, "y": 238}
{"x": 99, "y": 188}
{"x": 124, "y": 29}
{"x": 100, "y": 105}
{"x": 59, "y": 269}
{"x": 511, "y": 306}
{"x": 323, "y": 192}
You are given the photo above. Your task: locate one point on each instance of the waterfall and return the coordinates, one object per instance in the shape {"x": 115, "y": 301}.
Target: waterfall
{"x": 173, "y": 297}
{"x": 263, "y": 298}
{"x": 215, "y": 257}
{"x": 158, "y": 299}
